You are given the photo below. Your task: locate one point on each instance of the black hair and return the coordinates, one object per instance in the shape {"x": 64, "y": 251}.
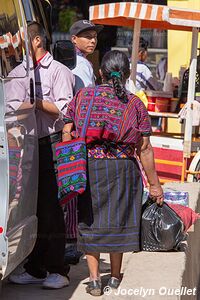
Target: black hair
{"x": 115, "y": 67}
{"x": 36, "y": 29}
{"x": 143, "y": 46}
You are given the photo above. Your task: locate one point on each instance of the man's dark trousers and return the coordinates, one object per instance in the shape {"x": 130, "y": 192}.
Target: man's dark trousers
{"x": 48, "y": 253}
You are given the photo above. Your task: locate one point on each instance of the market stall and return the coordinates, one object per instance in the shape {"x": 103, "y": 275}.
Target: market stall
{"x": 180, "y": 155}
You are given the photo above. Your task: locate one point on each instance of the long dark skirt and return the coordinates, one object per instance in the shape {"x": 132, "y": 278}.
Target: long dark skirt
{"x": 109, "y": 212}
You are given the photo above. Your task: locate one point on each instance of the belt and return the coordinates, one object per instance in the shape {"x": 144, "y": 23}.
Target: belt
{"x": 50, "y": 139}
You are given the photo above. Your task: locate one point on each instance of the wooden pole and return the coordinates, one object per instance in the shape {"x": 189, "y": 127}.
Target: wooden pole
{"x": 191, "y": 94}
{"x": 134, "y": 56}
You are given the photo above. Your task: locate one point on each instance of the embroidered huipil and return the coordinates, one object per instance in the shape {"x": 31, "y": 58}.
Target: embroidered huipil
{"x": 114, "y": 127}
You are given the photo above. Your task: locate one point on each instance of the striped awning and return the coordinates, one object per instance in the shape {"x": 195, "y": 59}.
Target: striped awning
{"x": 152, "y": 16}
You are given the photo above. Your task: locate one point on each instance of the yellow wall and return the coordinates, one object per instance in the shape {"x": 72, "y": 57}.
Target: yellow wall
{"x": 179, "y": 43}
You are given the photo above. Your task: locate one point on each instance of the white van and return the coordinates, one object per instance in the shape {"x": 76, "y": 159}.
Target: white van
{"x": 18, "y": 132}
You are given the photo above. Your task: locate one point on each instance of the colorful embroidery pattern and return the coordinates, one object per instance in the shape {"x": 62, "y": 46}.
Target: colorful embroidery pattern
{"x": 110, "y": 120}
{"x": 71, "y": 160}
{"x": 106, "y": 150}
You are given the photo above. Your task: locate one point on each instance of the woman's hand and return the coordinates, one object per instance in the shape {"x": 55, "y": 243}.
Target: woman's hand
{"x": 156, "y": 193}
{"x": 66, "y": 136}
{"x": 66, "y": 132}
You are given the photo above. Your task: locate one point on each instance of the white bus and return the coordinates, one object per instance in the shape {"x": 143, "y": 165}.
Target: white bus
{"x": 18, "y": 132}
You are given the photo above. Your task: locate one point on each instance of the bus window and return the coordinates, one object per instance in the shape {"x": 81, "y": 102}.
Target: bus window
{"x": 28, "y": 10}
{"x": 48, "y": 14}
{"x": 40, "y": 11}
{"x": 11, "y": 53}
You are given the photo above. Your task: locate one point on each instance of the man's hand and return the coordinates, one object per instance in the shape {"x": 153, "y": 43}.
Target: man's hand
{"x": 47, "y": 107}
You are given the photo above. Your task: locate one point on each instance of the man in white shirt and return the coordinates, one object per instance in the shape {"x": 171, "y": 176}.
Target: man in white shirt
{"x": 144, "y": 77}
{"x": 84, "y": 37}
{"x": 54, "y": 90}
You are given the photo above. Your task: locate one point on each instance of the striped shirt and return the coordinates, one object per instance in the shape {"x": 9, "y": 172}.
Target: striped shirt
{"x": 145, "y": 79}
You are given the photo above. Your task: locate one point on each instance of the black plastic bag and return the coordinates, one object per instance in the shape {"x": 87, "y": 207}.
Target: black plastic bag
{"x": 162, "y": 229}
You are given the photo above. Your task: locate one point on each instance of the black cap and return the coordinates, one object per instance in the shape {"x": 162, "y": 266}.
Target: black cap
{"x": 84, "y": 25}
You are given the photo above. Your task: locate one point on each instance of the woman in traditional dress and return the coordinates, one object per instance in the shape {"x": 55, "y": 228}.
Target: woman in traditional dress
{"x": 109, "y": 211}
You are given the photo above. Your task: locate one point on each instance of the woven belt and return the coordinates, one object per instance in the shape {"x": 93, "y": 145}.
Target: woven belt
{"x": 50, "y": 139}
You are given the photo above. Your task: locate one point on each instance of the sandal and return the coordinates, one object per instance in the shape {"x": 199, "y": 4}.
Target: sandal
{"x": 113, "y": 282}
{"x": 94, "y": 288}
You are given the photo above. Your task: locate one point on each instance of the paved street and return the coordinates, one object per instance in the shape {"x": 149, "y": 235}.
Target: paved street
{"x": 76, "y": 290}
{"x": 143, "y": 271}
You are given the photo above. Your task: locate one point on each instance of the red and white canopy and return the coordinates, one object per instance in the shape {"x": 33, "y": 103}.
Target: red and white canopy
{"x": 152, "y": 16}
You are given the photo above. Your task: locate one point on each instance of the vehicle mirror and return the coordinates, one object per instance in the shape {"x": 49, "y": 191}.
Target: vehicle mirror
{"x": 64, "y": 52}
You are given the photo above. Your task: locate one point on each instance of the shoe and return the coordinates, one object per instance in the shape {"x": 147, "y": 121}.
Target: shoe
{"x": 25, "y": 278}
{"x": 20, "y": 269}
{"x": 94, "y": 288}
{"x": 56, "y": 281}
{"x": 114, "y": 283}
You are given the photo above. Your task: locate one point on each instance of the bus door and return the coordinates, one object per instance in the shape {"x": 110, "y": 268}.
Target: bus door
{"x": 18, "y": 140}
